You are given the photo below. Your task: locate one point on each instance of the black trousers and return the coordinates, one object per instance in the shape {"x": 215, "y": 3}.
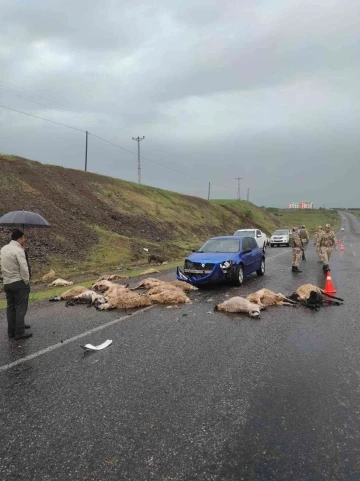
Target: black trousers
{"x": 17, "y": 297}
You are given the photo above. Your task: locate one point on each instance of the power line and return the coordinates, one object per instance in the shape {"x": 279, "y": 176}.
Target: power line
{"x": 112, "y": 143}
{"x": 42, "y": 118}
{"x": 147, "y": 158}
{"x": 23, "y": 93}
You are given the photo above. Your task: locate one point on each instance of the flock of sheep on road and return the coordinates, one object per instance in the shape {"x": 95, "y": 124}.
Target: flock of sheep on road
{"x": 105, "y": 295}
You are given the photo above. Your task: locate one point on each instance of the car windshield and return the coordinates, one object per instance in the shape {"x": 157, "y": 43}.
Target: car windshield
{"x": 245, "y": 233}
{"x": 221, "y": 245}
{"x": 281, "y": 232}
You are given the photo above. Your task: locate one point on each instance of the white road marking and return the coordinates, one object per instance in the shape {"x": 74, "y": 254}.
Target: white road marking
{"x": 83, "y": 334}
{"x": 277, "y": 255}
{"x": 68, "y": 341}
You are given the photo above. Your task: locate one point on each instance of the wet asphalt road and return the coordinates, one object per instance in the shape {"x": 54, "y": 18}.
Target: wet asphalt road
{"x": 190, "y": 394}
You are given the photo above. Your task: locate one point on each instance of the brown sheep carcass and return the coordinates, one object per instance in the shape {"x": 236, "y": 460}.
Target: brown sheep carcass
{"x": 265, "y": 297}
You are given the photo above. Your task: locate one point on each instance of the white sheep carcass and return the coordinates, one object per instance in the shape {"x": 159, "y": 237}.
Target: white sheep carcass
{"x": 239, "y": 304}
{"x": 60, "y": 283}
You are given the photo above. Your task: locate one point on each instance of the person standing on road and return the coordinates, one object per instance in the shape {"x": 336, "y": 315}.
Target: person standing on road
{"x": 318, "y": 233}
{"x": 327, "y": 241}
{"x": 304, "y": 236}
{"x": 297, "y": 250}
{"x": 16, "y": 278}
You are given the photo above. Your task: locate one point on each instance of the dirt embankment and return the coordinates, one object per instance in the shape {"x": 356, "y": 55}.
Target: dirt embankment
{"x": 100, "y": 223}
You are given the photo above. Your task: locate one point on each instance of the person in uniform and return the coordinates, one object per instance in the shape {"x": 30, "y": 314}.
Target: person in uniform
{"x": 304, "y": 236}
{"x": 326, "y": 242}
{"x": 297, "y": 249}
{"x": 319, "y": 231}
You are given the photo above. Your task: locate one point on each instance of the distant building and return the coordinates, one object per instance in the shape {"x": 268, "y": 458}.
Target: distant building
{"x": 300, "y": 205}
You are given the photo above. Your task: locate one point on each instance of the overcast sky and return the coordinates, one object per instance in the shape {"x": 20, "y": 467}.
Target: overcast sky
{"x": 267, "y": 90}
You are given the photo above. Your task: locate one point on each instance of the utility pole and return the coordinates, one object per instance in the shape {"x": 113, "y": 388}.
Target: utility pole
{"x": 238, "y": 191}
{"x": 209, "y": 192}
{"x": 248, "y": 194}
{"x": 138, "y": 140}
{"x": 86, "y": 149}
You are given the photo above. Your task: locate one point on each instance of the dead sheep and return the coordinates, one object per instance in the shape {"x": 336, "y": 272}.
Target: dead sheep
{"x": 69, "y": 294}
{"x": 50, "y": 275}
{"x": 239, "y": 304}
{"x": 152, "y": 282}
{"x": 87, "y": 297}
{"x": 148, "y": 283}
{"x": 125, "y": 300}
{"x": 119, "y": 296}
{"x": 303, "y": 292}
{"x": 170, "y": 295}
{"x": 111, "y": 277}
{"x": 313, "y": 297}
{"x": 147, "y": 272}
{"x": 109, "y": 287}
{"x": 60, "y": 283}
{"x": 184, "y": 286}
{"x": 265, "y": 297}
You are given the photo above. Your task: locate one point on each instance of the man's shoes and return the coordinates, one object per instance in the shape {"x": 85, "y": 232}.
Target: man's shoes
{"x": 23, "y": 336}
{"x": 26, "y": 326}
{"x": 326, "y": 267}
{"x": 295, "y": 269}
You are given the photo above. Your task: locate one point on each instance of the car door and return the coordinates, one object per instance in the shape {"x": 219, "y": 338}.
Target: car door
{"x": 259, "y": 238}
{"x": 247, "y": 257}
{"x": 257, "y": 256}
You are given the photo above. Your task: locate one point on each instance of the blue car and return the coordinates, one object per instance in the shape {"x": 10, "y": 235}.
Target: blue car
{"x": 223, "y": 259}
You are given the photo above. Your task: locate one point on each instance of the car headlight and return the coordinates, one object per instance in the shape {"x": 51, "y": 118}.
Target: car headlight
{"x": 226, "y": 265}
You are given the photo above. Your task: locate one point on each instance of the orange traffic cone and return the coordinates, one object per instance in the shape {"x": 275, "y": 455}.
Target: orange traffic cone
{"x": 342, "y": 248}
{"x": 329, "y": 287}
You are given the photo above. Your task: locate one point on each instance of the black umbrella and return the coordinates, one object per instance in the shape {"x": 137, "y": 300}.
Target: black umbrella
{"x": 24, "y": 219}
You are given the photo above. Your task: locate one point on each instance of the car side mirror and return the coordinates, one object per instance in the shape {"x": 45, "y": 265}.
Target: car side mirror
{"x": 194, "y": 250}
{"x": 258, "y": 235}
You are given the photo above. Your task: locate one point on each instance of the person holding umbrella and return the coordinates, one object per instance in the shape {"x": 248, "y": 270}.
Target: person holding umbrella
{"x": 16, "y": 277}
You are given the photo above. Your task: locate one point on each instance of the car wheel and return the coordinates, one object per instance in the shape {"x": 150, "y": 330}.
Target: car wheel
{"x": 261, "y": 271}
{"x": 264, "y": 248}
{"x": 239, "y": 276}
{"x": 271, "y": 245}
{"x": 287, "y": 245}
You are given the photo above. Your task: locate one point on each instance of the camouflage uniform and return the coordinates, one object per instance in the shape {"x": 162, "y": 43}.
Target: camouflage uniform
{"x": 304, "y": 236}
{"x": 319, "y": 231}
{"x": 295, "y": 243}
{"x": 326, "y": 242}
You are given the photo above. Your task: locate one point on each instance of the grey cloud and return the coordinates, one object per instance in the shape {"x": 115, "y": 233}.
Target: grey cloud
{"x": 265, "y": 90}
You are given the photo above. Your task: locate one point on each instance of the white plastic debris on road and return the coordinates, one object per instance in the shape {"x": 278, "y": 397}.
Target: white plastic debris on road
{"x": 90, "y": 347}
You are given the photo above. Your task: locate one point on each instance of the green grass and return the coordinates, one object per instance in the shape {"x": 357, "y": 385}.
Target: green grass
{"x": 310, "y": 218}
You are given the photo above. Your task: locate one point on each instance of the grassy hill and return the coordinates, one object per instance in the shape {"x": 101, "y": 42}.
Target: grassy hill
{"x": 100, "y": 223}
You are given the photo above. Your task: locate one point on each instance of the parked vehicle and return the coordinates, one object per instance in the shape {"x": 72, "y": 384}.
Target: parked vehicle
{"x": 280, "y": 237}
{"x": 223, "y": 259}
{"x": 260, "y": 237}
